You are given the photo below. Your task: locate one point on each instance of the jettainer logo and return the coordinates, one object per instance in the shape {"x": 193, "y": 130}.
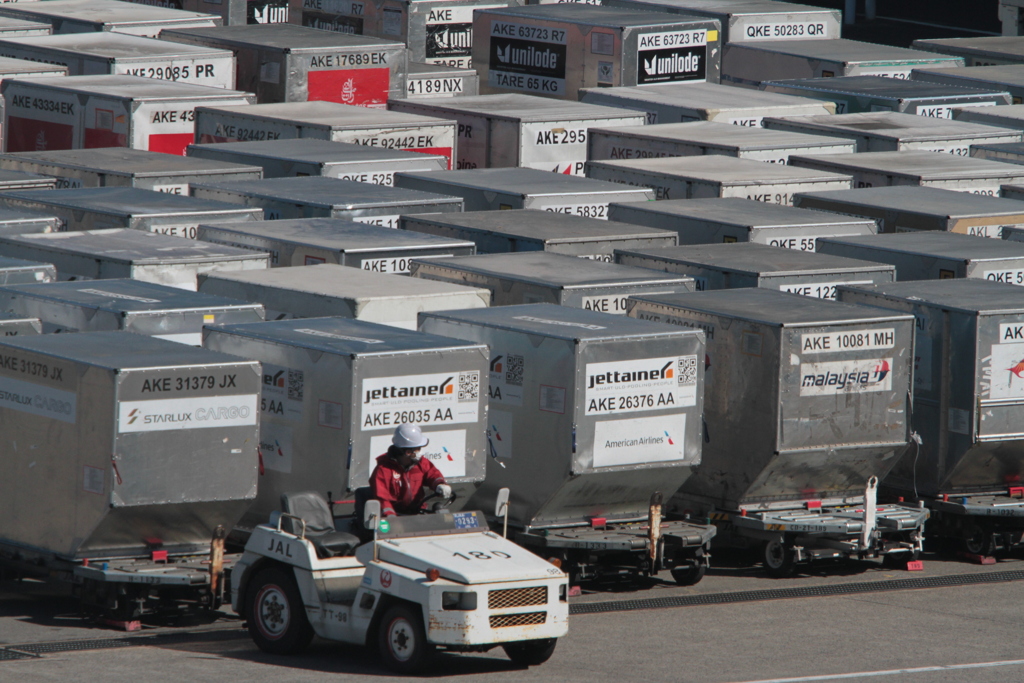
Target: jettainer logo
{"x": 842, "y": 377}
{"x": 442, "y": 398}
{"x": 640, "y": 385}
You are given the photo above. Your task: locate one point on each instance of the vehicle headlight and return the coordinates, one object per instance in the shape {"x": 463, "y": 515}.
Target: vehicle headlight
{"x": 458, "y": 600}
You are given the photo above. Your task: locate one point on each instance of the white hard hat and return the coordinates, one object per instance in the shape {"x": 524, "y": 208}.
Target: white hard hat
{"x": 409, "y": 436}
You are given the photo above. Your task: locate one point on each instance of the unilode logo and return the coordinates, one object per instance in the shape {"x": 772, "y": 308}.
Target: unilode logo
{"x": 845, "y": 376}
{"x": 525, "y": 57}
{"x": 674, "y": 63}
{"x": 445, "y": 388}
{"x": 615, "y": 377}
{"x": 528, "y": 56}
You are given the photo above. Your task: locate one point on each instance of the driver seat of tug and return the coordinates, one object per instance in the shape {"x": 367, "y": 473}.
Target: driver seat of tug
{"x": 312, "y": 508}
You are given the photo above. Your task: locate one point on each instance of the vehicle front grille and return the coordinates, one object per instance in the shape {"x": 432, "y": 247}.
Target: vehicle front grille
{"x": 528, "y": 619}
{"x": 517, "y": 597}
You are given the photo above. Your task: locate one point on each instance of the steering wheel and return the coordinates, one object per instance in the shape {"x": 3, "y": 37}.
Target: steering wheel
{"x": 438, "y": 505}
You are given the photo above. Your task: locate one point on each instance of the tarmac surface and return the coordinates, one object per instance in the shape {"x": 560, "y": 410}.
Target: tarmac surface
{"x": 954, "y": 621}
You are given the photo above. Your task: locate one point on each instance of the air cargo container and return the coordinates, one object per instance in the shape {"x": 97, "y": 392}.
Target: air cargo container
{"x": 705, "y": 138}
{"x": 932, "y": 255}
{"x": 886, "y": 131}
{"x": 967, "y": 403}
{"x": 126, "y": 253}
{"x": 498, "y": 131}
{"x": 12, "y": 325}
{"x": 310, "y": 241}
{"x": 806, "y": 409}
{"x": 593, "y": 421}
{"x": 96, "y": 208}
{"x": 123, "y": 304}
{"x": 728, "y": 266}
{"x": 497, "y": 232}
{"x": 977, "y": 51}
{"x": 855, "y": 94}
{"x": 905, "y": 208}
{"x": 18, "y": 181}
{"x": 10, "y": 27}
{"x": 126, "y": 167}
{"x": 932, "y": 169}
{"x": 332, "y": 290}
{"x": 288, "y": 63}
{"x": 750, "y": 64}
{"x": 135, "y": 456}
{"x": 524, "y": 188}
{"x": 16, "y": 271}
{"x": 327, "y": 121}
{"x": 306, "y": 157}
{"x": 672, "y": 103}
{"x": 334, "y": 390}
{"x": 79, "y": 112}
{"x": 234, "y": 12}
{"x": 17, "y": 222}
{"x": 19, "y": 68}
{"x": 1006, "y": 117}
{"x": 1006, "y": 78}
{"x": 734, "y": 219}
{"x": 319, "y": 197}
{"x": 432, "y": 81}
{"x": 718, "y": 176}
{"x": 87, "y": 16}
{"x": 554, "y": 50}
{"x": 543, "y": 277}
{"x": 89, "y": 54}
{"x": 1008, "y": 152}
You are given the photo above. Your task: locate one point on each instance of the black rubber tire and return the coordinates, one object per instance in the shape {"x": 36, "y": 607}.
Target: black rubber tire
{"x": 779, "y": 559}
{"x": 978, "y": 540}
{"x": 689, "y": 574}
{"x": 530, "y": 652}
{"x": 402, "y": 640}
{"x": 899, "y": 560}
{"x": 277, "y": 619}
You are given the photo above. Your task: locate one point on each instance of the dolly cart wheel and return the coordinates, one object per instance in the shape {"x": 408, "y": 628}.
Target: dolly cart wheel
{"x": 689, "y": 574}
{"x": 530, "y": 652}
{"x": 978, "y": 540}
{"x": 402, "y": 640}
{"x": 779, "y": 559}
{"x": 277, "y": 618}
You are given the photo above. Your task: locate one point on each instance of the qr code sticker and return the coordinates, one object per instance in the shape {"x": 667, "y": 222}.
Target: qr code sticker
{"x": 295, "y": 384}
{"x": 514, "y": 370}
{"x": 469, "y": 386}
{"x": 687, "y": 370}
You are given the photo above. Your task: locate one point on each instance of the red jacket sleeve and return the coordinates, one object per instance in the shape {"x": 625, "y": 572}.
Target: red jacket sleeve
{"x": 431, "y": 475}
{"x": 381, "y": 489}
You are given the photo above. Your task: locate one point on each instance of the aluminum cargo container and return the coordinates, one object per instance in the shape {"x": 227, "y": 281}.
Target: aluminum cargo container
{"x": 288, "y": 63}
{"x": 332, "y": 290}
{"x": 18, "y": 68}
{"x": 306, "y": 157}
{"x": 16, "y": 222}
{"x": 309, "y": 241}
{"x": 886, "y": 131}
{"x": 333, "y": 391}
{"x": 496, "y": 232}
{"x": 1008, "y": 152}
{"x": 327, "y": 121}
{"x": 124, "y": 253}
{"x": 1007, "y": 78}
{"x": 524, "y": 188}
{"x": 234, "y": 12}
{"x": 78, "y": 112}
{"x": 718, "y": 176}
{"x": 16, "y": 271}
{"x": 96, "y": 208}
{"x": 1014, "y": 233}
{"x": 904, "y": 208}
{"x": 319, "y": 197}
{"x": 498, "y": 131}
{"x": 130, "y": 440}
{"x": 554, "y": 50}
{"x": 589, "y": 416}
{"x": 430, "y": 81}
{"x": 11, "y": 27}
{"x": 968, "y": 397}
{"x": 935, "y": 255}
{"x": 129, "y": 305}
{"x": 437, "y": 32}
{"x": 12, "y": 325}
{"x": 1010, "y": 191}
{"x": 125, "y": 167}
{"x": 855, "y": 94}
{"x": 751, "y": 20}
{"x": 19, "y": 181}
{"x": 542, "y": 277}
{"x": 728, "y": 266}
{"x": 977, "y": 51}
{"x": 700, "y": 138}
{"x": 671, "y": 103}
{"x": 1011, "y": 116}
{"x": 88, "y": 54}
{"x": 87, "y": 16}
{"x": 933, "y": 169}
{"x": 750, "y": 64}
{"x": 806, "y": 408}
{"x": 734, "y": 219}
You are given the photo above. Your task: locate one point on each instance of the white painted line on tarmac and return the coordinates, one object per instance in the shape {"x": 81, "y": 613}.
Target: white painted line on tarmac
{"x": 890, "y": 672}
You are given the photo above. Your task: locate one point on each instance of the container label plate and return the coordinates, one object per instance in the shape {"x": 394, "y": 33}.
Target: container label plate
{"x": 203, "y": 412}
{"x": 425, "y": 87}
{"x": 367, "y": 87}
{"x": 845, "y": 376}
{"x": 639, "y": 440}
{"x": 819, "y": 290}
{"x": 640, "y": 385}
{"x": 1010, "y": 276}
{"x": 782, "y": 30}
{"x": 383, "y": 221}
{"x": 527, "y": 58}
{"x": 438, "y": 398}
{"x": 672, "y": 56}
{"x": 449, "y": 38}
{"x": 37, "y": 399}
{"x": 1005, "y": 372}
{"x": 848, "y": 340}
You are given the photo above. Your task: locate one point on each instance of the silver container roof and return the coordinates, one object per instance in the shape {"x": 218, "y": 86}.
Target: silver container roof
{"x": 555, "y": 270}
{"x": 892, "y": 125}
{"x": 1008, "y": 152}
{"x": 308, "y": 150}
{"x": 914, "y": 164}
{"x": 19, "y": 180}
{"x": 1005, "y": 47}
{"x": 10, "y": 66}
{"x": 726, "y": 136}
{"x": 112, "y": 46}
{"x": 139, "y": 163}
{"x": 549, "y": 227}
{"x": 105, "y": 12}
{"x": 329, "y": 114}
{"x": 915, "y": 198}
{"x": 126, "y": 245}
{"x": 845, "y": 51}
{"x": 126, "y": 202}
{"x": 722, "y": 169}
{"x": 615, "y": 18}
{"x": 16, "y": 270}
{"x": 9, "y": 26}
{"x": 697, "y": 96}
{"x": 333, "y": 193}
{"x": 126, "y": 297}
{"x": 289, "y": 38}
{"x": 746, "y": 213}
{"x": 970, "y": 295}
{"x": 930, "y": 243}
{"x": 977, "y": 76}
{"x": 758, "y": 259}
{"x": 882, "y": 87}
{"x": 524, "y": 108}
{"x": 1007, "y": 115}
{"x": 522, "y": 181}
{"x": 134, "y": 88}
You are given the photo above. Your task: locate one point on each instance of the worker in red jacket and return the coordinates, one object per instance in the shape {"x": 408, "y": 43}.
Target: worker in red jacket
{"x": 401, "y": 473}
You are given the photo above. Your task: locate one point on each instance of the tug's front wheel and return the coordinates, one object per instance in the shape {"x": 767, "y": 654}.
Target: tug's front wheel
{"x": 530, "y": 652}
{"x": 402, "y": 640}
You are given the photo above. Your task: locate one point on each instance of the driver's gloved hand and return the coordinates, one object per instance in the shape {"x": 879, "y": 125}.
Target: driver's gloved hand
{"x": 443, "y": 490}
